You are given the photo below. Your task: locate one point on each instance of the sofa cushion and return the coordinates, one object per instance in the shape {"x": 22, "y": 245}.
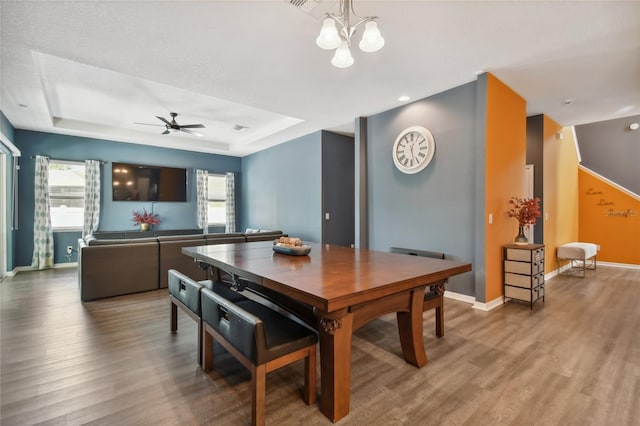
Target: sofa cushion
{"x": 263, "y": 236}
{"x": 180, "y": 237}
{"x": 93, "y": 241}
{"x": 113, "y": 270}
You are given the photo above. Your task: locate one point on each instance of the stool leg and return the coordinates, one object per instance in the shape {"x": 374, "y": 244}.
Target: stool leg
{"x": 310, "y": 376}
{"x": 258, "y": 390}
{"x": 174, "y": 317}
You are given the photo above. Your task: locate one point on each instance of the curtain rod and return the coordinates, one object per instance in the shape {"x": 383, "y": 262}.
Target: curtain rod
{"x": 61, "y": 159}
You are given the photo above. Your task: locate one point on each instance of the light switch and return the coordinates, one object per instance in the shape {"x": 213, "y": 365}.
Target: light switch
{"x": 326, "y": 216}
{"x": 490, "y": 218}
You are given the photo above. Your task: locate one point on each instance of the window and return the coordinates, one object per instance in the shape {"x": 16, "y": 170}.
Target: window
{"x": 217, "y": 199}
{"x": 66, "y": 194}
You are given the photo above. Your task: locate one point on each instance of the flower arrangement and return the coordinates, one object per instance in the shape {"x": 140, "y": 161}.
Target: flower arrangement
{"x": 525, "y": 210}
{"x": 145, "y": 217}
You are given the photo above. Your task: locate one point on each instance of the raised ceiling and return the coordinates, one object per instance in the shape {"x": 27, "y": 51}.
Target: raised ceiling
{"x": 95, "y": 68}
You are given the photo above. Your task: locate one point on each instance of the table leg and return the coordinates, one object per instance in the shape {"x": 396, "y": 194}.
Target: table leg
{"x": 410, "y": 329}
{"x": 335, "y": 364}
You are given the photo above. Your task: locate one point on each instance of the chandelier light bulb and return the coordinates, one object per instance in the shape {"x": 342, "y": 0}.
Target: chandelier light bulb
{"x": 372, "y": 40}
{"x": 328, "y": 37}
{"x": 342, "y": 57}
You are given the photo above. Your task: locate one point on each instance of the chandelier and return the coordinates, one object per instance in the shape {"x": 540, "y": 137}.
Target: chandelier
{"x": 332, "y": 38}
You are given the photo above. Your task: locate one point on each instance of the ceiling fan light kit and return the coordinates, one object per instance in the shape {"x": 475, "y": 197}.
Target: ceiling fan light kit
{"x": 332, "y": 38}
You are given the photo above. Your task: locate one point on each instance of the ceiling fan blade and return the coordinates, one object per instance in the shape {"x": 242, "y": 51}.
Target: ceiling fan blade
{"x": 166, "y": 132}
{"x": 193, "y": 126}
{"x": 191, "y": 132}
{"x": 149, "y": 124}
{"x": 164, "y": 120}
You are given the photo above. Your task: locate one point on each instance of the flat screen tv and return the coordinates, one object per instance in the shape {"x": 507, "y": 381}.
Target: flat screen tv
{"x": 135, "y": 182}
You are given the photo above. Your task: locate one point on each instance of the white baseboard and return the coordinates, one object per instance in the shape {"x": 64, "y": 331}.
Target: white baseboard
{"x": 472, "y": 300}
{"x": 460, "y": 297}
{"x": 619, "y": 265}
{"x": 599, "y": 263}
{"x": 29, "y": 268}
{"x": 490, "y": 305}
{"x": 65, "y": 265}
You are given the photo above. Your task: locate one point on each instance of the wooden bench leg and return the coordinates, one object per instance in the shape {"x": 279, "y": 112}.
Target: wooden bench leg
{"x": 174, "y": 317}
{"x": 310, "y": 376}
{"x": 258, "y": 390}
{"x": 200, "y": 338}
{"x": 207, "y": 350}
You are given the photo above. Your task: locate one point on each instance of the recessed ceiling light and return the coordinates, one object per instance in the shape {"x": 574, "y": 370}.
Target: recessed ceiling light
{"x": 404, "y": 98}
{"x": 568, "y": 101}
{"x": 240, "y": 128}
{"x": 634, "y": 126}
{"x": 22, "y": 105}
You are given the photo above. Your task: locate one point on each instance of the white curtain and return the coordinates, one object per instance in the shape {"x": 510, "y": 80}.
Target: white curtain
{"x": 42, "y": 231}
{"x": 91, "y": 197}
{"x": 230, "y": 225}
{"x": 202, "y": 185}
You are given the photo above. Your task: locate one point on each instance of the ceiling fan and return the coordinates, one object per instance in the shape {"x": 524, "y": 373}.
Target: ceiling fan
{"x": 174, "y": 126}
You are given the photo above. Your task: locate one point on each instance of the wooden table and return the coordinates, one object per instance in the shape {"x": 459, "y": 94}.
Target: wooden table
{"x": 346, "y": 288}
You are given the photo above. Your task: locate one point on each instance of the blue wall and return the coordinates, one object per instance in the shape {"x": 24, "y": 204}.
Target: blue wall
{"x": 115, "y": 216}
{"x": 434, "y": 209}
{"x": 282, "y": 188}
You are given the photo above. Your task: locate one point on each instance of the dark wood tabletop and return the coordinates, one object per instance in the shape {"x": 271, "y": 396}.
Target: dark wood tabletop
{"x": 330, "y": 277}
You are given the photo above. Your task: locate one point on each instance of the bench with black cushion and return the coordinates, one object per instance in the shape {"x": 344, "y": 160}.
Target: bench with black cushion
{"x": 432, "y": 299}
{"x": 184, "y": 293}
{"x": 261, "y": 339}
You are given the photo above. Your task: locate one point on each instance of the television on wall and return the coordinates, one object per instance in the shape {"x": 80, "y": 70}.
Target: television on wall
{"x": 135, "y": 182}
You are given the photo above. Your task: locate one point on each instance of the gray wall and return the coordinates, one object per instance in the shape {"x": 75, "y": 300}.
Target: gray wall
{"x": 282, "y": 188}
{"x": 338, "y": 189}
{"x": 535, "y": 156}
{"x": 612, "y": 150}
{"x": 434, "y": 209}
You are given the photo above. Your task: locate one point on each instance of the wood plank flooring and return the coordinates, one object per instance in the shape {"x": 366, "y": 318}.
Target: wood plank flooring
{"x": 574, "y": 360}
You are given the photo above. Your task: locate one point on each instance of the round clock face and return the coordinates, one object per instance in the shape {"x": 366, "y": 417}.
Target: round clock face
{"x": 413, "y": 149}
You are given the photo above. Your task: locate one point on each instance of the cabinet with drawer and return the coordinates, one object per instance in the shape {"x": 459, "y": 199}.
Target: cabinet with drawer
{"x": 524, "y": 272}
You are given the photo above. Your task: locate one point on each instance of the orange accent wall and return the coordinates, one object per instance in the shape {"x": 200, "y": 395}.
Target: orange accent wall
{"x": 506, "y": 138}
{"x": 610, "y": 218}
{"x": 560, "y": 189}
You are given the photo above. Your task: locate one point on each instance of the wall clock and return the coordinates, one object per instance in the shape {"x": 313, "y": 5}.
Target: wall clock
{"x": 413, "y": 149}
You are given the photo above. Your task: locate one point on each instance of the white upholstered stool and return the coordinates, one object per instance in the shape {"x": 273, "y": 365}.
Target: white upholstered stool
{"x": 583, "y": 254}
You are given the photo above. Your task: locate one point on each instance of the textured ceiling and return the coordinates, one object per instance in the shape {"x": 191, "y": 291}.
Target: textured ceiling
{"x": 95, "y": 68}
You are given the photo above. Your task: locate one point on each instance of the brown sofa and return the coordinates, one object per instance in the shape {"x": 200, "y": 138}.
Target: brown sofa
{"x": 115, "y": 266}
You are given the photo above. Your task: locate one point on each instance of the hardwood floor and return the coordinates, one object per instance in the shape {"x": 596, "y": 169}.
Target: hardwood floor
{"x": 574, "y": 360}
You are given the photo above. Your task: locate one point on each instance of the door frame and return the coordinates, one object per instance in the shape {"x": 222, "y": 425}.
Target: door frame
{"x": 529, "y": 179}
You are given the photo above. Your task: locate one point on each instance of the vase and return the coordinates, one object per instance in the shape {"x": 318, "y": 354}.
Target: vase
{"x": 521, "y": 238}
{"x": 144, "y": 226}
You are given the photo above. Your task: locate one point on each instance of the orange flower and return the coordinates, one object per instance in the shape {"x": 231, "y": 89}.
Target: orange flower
{"x": 525, "y": 210}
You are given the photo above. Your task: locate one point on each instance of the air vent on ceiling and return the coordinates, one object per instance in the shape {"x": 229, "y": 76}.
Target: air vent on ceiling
{"x": 315, "y": 8}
